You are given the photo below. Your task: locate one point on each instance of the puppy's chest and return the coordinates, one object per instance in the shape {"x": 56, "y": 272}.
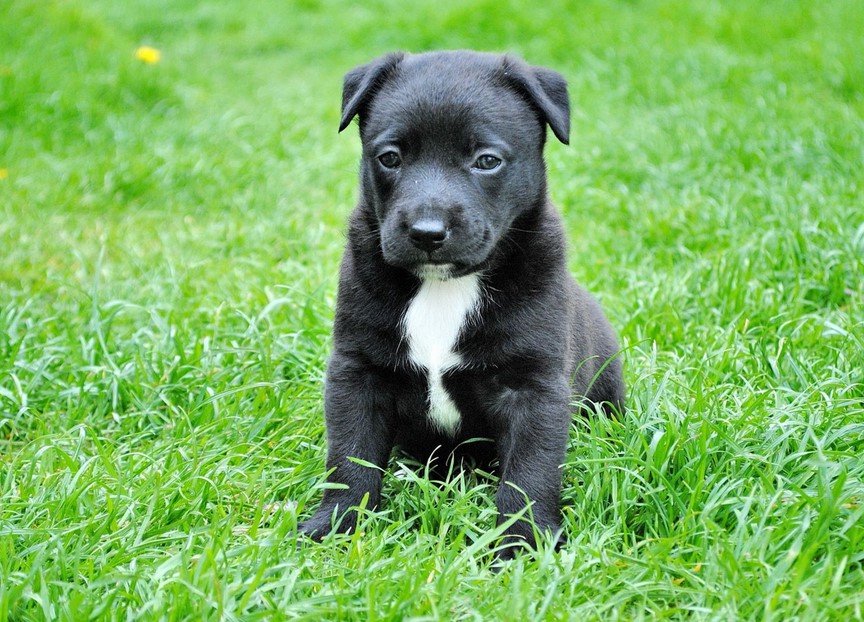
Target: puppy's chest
{"x": 433, "y": 321}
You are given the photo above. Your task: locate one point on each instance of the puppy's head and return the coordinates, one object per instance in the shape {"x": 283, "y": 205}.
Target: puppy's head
{"x": 452, "y": 152}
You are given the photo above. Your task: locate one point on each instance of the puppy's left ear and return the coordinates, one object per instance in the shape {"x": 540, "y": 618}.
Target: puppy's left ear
{"x": 362, "y": 82}
{"x": 547, "y": 90}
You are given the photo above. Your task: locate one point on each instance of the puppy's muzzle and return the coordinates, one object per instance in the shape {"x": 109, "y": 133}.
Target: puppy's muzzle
{"x": 428, "y": 234}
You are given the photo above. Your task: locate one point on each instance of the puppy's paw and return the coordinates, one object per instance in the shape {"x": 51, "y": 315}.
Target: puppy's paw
{"x": 504, "y": 554}
{"x": 325, "y": 521}
{"x": 518, "y": 541}
{"x": 315, "y": 528}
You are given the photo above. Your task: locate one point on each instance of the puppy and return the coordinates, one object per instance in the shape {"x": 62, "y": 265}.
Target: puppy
{"x": 456, "y": 318}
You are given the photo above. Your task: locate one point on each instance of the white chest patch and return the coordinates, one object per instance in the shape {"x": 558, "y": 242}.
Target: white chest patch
{"x": 433, "y": 321}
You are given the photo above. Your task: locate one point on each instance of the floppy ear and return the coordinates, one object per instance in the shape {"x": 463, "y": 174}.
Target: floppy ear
{"x": 361, "y": 82}
{"x": 547, "y": 90}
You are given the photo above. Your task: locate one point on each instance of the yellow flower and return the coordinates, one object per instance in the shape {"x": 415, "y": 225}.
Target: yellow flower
{"x": 148, "y": 55}
{"x": 4, "y": 173}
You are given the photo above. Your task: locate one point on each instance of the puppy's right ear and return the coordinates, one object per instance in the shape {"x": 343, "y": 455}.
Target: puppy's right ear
{"x": 362, "y": 82}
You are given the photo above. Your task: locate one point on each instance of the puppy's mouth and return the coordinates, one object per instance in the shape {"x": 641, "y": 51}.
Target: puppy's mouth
{"x": 444, "y": 268}
{"x": 450, "y": 261}
{"x": 435, "y": 271}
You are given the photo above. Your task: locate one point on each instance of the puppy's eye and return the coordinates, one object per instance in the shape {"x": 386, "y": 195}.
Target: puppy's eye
{"x": 390, "y": 159}
{"x": 487, "y": 162}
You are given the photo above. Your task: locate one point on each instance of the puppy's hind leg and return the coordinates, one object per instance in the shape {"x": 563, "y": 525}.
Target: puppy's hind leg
{"x": 607, "y": 387}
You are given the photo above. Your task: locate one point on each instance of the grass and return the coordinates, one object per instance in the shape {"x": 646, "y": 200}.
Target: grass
{"x": 171, "y": 234}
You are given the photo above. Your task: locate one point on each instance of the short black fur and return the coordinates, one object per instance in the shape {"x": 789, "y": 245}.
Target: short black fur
{"x": 536, "y": 346}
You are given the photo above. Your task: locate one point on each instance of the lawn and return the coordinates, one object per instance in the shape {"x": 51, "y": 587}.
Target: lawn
{"x": 170, "y": 236}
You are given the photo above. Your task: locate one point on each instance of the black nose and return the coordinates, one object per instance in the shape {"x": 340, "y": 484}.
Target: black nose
{"x": 428, "y": 234}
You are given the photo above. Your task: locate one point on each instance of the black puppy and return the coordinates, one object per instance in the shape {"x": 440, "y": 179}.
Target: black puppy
{"x": 456, "y": 317}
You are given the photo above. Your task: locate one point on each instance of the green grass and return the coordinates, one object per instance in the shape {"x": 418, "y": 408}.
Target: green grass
{"x": 170, "y": 236}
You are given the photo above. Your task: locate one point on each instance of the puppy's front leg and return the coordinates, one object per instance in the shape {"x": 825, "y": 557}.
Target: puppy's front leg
{"x": 532, "y": 441}
{"x": 358, "y": 416}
